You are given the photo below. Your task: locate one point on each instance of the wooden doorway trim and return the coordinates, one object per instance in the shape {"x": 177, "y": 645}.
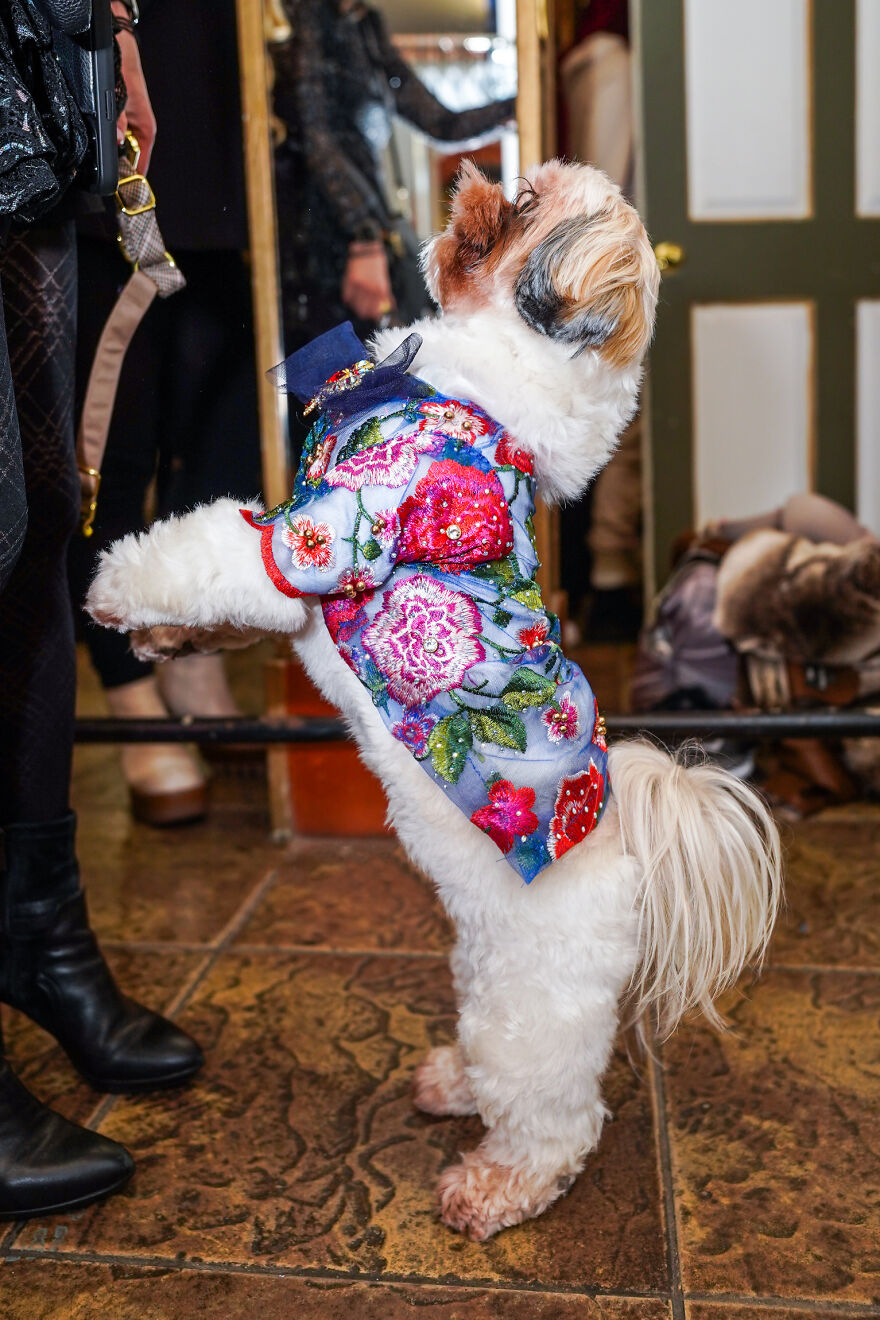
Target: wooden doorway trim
{"x": 536, "y": 124}
{"x": 268, "y": 340}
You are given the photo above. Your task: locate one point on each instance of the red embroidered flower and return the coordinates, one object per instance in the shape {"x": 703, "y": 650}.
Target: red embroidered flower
{"x": 507, "y": 456}
{"x": 457, "y": 517}
{"x": 384, "y": 526}
{"x": 535, "y": 634}
{"x": 509, "y": 814}
{"x": 344, "y": 615}
{"x": 456, "y": 420}
{"x": 311, "y": 544}
{"x": 562, "y": 721}
{"x": 598, "y": 728}
{"x": 577, "y": 810}
{"x": 357, "y": 583}
{"x": 320, "y": 459}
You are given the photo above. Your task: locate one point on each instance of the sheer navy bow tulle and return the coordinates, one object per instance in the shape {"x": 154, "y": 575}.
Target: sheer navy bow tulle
{"x": 304, "y": 372}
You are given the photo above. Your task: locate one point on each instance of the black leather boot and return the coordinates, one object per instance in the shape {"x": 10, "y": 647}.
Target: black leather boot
{"x": 52, "y": 969}
{"x": 48, "y": 1165}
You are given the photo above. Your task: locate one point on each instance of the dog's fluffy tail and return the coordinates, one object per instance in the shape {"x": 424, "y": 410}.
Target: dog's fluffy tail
{"x": 712, "y": 885}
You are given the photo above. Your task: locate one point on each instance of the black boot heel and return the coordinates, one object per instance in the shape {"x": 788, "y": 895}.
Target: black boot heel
{"x": 52, "y": 969}
{"x": 47, "y": 1164}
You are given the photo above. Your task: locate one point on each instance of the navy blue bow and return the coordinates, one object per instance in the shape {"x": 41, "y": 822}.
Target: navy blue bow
{"x": 306, "y": 371}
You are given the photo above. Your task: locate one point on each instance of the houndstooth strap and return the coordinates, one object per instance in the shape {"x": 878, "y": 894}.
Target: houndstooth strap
{"x": 154, "y": 273}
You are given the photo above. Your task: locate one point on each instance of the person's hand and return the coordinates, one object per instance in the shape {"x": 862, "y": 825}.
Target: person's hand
{"x": 138, "y": 113}
{"x": 366, "y": 284}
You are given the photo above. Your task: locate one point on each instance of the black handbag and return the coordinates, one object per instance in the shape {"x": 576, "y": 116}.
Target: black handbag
{"x": 43, "y": 136}
{"x": 82, "y": 38}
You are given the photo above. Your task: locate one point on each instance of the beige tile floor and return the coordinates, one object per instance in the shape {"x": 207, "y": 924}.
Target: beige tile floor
{"x": 739, "y": 1178}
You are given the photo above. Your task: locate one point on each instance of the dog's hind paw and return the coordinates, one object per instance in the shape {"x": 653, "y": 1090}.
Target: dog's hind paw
{"x": 440, "y": 1084}
{"x": 479, "y": 1197}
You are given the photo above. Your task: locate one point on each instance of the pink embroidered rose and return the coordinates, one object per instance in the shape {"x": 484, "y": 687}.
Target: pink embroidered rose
{"x": 424, "y": 640}
{"x": 535, "y": 634}
{"x": 598, "y": 728}
{"x": 455, "y": 420}
{"x": 385, "y": 526}
{"x": 389, "y": 463}
{"x": 310, "y": 544}
{"x": 562, "y": 721}
{"x": 456, "y": 517}
{"x": 509, "y": 814}
{"x": 320, "y": 460}
{"x": 415, "y": 730}
{"x": 506, "y": 455}
{"x": 577, "y": 810}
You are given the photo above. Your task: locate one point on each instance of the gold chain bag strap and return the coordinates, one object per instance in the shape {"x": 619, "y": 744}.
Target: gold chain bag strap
{"x": 154, "y": 273}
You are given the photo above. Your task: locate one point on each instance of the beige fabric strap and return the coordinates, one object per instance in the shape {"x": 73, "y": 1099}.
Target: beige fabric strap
{"x": 154, "y": 274}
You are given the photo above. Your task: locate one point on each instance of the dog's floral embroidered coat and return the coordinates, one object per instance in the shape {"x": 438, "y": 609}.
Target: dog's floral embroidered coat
{"x": 411, "y": 518}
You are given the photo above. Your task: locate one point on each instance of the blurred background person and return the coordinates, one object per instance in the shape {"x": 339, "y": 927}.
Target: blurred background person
{"x": 596, "y": 126}
{"x": 346, "y": 251}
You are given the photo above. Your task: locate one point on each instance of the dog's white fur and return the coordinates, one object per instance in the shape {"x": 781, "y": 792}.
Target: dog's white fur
{"x": 662, "y": 906}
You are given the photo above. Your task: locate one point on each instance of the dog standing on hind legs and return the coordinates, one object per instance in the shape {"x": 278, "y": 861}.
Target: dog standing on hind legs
{"x": 403, "y": 569}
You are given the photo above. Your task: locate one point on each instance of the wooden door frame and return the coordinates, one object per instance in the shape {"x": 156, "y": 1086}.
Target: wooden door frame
{"x": 536, "y": 126}
{"x": 268, "y": 341}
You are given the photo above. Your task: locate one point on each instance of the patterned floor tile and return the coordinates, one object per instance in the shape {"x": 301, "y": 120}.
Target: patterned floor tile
{"x": 773, "y": 1311}
{"x": 299, "y": 1146}
{"x": 155, "y": 979}
{"x": 775, "y": 1132}
{"x": 41, "y": 1290}
{"x": 833, "y": 895}
{"x": 358, "y": 894}
{"x": 176, "y": 885}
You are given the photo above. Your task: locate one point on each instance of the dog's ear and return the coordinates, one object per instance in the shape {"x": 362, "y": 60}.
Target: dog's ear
{"x": 479, "y": 214}
{"x": 592, "y": 283}
{"x": 480, "y": 219}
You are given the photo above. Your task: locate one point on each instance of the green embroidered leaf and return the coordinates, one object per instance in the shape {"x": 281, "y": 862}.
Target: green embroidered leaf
{"x": 527, "y": 688}
{"x": 450, "y": 741}
{"x": 367, "y": 434}
{"x": 372, "y": 549}
{"x": 499, "y": 726}
{"x": 529, "y": 596}
{"x": 530, "y": 531}
{"x": 498, "y": 571}
{"x": 501, "y": 617}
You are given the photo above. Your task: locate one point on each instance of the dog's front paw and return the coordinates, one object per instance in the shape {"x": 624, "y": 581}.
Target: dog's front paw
{"x": 440, "y": 1084}
{"x": 479, "y": 1197}
{"x": 130, "y": 588}
{"x": 164, "y": 641}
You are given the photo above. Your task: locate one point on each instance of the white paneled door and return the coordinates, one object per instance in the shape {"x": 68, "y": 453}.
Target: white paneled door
{"x": 761, "y": 174}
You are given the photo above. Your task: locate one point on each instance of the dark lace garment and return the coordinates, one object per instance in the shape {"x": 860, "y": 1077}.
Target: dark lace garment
{"x": 339, "y": 81}
{"x": 42, "y": 134}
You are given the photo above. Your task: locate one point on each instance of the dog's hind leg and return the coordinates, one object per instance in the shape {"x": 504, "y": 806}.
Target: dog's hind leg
{"x": 535, "y": 1071}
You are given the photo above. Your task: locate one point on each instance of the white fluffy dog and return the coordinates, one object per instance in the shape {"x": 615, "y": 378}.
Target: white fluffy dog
{"x": 547, "y": 308}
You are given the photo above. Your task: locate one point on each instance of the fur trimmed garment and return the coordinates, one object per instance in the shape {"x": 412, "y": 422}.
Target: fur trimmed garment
{"x": 412, "y": 521}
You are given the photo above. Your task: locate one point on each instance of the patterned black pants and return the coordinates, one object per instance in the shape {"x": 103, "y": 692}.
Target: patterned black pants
{"x": 39, "y": 501}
